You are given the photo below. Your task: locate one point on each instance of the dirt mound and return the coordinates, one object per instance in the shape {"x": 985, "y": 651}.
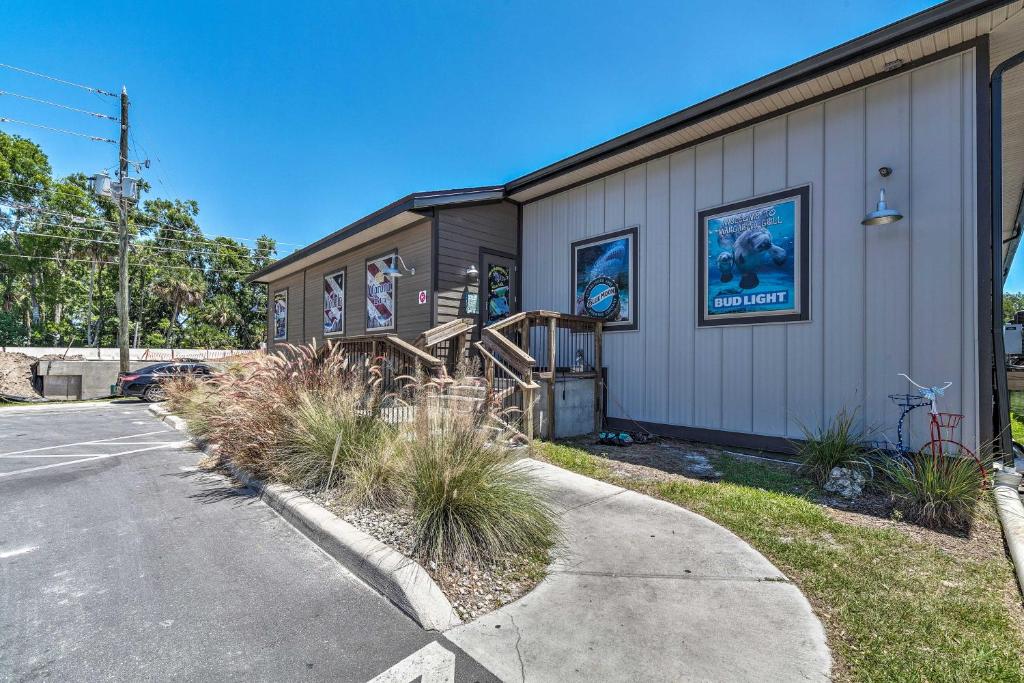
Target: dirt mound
{"x": 16, "y": 376}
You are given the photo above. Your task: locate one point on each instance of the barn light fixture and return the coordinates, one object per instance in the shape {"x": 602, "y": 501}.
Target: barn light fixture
{"x": 472, "y": 274}
{"x": 393, "y": 271}
{"x": 882, "y": 215}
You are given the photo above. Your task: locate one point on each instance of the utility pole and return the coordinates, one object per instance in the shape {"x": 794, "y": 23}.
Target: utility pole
{"x": 122, "y": 241}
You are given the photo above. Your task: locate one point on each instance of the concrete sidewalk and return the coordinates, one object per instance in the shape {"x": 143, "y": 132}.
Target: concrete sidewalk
{"x": 644, "y": 590}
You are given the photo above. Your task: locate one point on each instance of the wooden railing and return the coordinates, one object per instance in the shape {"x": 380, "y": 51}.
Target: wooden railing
{"x": 540, "y": 345}
{"x": 395, "y": 357}
{"x": 447, "y": 342}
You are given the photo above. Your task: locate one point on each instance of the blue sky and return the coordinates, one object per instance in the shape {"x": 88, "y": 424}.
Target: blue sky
{"x": 294, "y": 119}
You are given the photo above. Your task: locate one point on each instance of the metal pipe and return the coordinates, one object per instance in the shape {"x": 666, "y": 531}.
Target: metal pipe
{"x": 1002, "y": 396}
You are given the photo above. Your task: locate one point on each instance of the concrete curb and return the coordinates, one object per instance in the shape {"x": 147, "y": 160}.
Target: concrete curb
{"x": 401, "y": 580}
{"x": 1011, "y": 516}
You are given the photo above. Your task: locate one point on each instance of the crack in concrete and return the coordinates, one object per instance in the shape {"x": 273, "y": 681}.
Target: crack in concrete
{"x": 591, "y": 502}
{"x": 688, "y": 577}
{"x": 519, "y": 654}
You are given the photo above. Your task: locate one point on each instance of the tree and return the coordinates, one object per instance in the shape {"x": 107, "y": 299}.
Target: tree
{"x": 57, "y": 240}
{"x": 180, "y": 290}
{"x": 1012, "y": 302}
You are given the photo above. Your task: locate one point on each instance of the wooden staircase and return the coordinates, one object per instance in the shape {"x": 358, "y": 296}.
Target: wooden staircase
{"x": 566, "y": 345}
{"x": 512, "y": 377}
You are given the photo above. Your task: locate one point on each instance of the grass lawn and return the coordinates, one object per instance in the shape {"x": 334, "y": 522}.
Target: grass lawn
{"x": 1017, "y": 427}
{"x": 897, "y": 605}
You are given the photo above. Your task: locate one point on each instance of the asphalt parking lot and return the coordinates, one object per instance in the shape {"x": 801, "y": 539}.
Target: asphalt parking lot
{"x": 120, "y": 560}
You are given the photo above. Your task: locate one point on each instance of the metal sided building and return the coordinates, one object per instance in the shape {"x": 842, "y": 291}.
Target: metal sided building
{"x": 750, "y": 280}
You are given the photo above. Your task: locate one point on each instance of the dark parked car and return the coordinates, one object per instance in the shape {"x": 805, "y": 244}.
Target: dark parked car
{"x": 146, "y": 383}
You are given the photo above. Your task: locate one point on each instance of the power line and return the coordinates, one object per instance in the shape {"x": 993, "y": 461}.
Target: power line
{"x": 147, "y": 243}
{"x": 94, "y": 138}
{"x": 137, "y": 263}
{"x": 221, "y": 248}
{"x": 166, "y": 226}
{"x": 57, "y": 104}
{"x": 58, "y": 80}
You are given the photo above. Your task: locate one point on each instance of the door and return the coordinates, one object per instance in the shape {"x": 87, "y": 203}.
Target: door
{"x": 497, "y": 285}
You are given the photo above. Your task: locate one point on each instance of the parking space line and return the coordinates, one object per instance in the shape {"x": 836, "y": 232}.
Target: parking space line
{"x": 84, "y": 443}
{"x": 89, "y": 459}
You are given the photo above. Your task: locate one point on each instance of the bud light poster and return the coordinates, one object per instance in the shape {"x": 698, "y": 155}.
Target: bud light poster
{"x": 380, "y": 294}
{"x": 281, "y": 315}
{"x": 334, "y": 303}
{"x": 754, "y": 255}
{"x": 604, "y": 271}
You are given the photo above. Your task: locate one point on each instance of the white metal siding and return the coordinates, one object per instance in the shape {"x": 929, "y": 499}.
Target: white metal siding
{"x": 884, "y": 300}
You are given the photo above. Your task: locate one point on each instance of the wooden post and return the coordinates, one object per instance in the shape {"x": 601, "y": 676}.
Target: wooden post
{"x": 552, "y": 359}
{"x": 524, "y": 335}
{"x": 489, "y": 378}
{"x": 529, "y": 399}
{"x": 598, "y": 379}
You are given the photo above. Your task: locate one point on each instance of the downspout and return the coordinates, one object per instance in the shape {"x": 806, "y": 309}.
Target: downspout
{"x": 1002, "y": 397}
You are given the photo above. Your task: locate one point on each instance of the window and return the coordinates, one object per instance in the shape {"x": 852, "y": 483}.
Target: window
{"x": 334, "y": 303}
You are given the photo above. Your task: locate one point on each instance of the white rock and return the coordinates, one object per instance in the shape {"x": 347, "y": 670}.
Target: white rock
{"x": 845, "y": 482}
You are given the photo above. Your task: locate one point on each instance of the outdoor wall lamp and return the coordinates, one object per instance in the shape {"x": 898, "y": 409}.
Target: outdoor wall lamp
{"x": 472, "y": 274}
{"x": 882, "y": 215}
{"x": 393, "y": 271}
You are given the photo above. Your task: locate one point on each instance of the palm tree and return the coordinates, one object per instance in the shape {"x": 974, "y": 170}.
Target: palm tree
{"x": 180, "y": 291}
{"x": 221, "y": 312}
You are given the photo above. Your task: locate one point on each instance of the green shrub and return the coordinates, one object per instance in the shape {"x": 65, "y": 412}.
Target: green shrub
{"x": 470, "y": 499}
{"x": 314, "y": 423}
{"x": 837, "y": 444}
{"x": 936, "y": 490}
{"x": 373, "y": 478}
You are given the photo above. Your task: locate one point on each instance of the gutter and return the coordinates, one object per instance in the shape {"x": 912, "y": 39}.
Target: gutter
{"x": 1001, "y": 407}
{"x": 877, "y": 41}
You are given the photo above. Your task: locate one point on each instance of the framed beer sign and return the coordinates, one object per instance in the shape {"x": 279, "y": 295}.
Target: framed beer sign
{"x": 604, "y": 277}
{"x": 334, "y": 303}
{"x": 753, "y": 260}
{"x": 380, "y": 293}
{"x": 281, "y": 315}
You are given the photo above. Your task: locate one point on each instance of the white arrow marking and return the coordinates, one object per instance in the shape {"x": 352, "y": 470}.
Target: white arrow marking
{"x": 431, "y": 664}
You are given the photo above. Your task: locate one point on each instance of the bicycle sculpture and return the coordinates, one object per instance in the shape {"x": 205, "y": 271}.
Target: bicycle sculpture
{"x": 941, "y": 426}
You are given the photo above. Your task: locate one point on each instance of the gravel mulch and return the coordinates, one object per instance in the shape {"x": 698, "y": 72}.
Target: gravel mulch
{"x": 474, "y": 588}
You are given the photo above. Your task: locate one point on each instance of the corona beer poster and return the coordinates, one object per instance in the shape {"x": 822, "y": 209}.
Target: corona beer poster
{"x": 753, "y": 260}
{"x": 334, "y": 303}
{"x": 380, "y": 294}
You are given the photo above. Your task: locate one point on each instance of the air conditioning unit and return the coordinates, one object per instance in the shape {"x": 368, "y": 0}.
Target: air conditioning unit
{"x": 1013, "y": 339}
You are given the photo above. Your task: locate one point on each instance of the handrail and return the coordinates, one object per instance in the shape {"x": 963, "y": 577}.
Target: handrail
{"x": 444, "y": 332}
{"x": 517, "y": 356}
{"x": 395, "y": 341}
{"x": 512, "y": 375}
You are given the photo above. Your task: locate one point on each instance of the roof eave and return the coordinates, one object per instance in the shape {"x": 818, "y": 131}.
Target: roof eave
{"x": 419, "y": 202}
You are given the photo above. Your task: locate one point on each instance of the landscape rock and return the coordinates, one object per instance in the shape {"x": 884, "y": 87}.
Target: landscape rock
{"x": 845, "y": 482}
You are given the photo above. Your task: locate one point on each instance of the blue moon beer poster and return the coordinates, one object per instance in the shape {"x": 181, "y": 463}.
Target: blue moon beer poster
{"x": 604, "y": 272}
